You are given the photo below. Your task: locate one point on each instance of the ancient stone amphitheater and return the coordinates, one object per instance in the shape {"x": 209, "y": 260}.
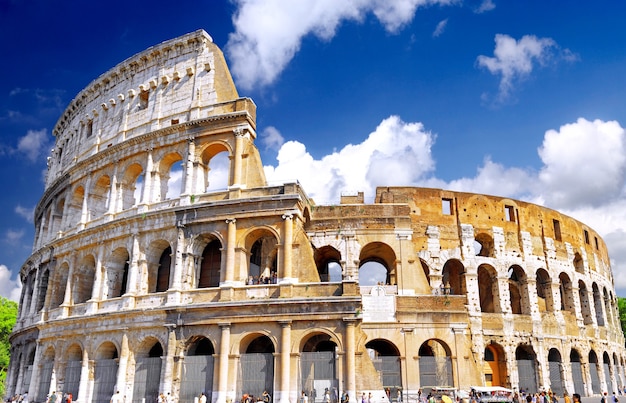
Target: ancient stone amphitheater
{"x": 151, "y": 274}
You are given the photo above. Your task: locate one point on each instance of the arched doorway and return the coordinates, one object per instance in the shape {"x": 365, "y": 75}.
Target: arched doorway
{"x": 197, "y": 370}
{"x": 45, "y": 375}
{"x": 328, "y": 263}
{"x": 577, "y": 373}
{"x": 435, "y": 364}
{"x": 526, "y": 369}
{"x": 386, "y": 359}
{"x": 606, "y": 364}
{"x": 556, "y": 371}
{"x": 593, "y": 372}
{"x": 73, "y": 370}
{"x": 495, "y": 365}
{"x": 148, "y": 373}
{"x": 210, "y": 265}
{"x": 453, "y": 277}
{"x": 318, "y": 370}
{"x": 256, "y": 366}
{"x": 105, "y": 373}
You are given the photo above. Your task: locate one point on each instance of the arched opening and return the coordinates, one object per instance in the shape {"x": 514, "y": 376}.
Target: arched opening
{"x": 318, "y": 367}
{"x": 59, "y": 285}
{"x": 174, "y": 181}
{"x": 73, "y": 370}
{"x": 594, "y": 372}
{"x": 377, "y": 265}
{"x": 215, "y": 168}
{"x": 577, "y": 373}
{"x": 105, "y": 373}
{"x": 99, "y": 198}
{"x": 117, "y": 273}
{"x": 544, "y": 291}
{"x": 597, "y": 302}
{"x": 45, "y": 374}
{"x": 129, "y": 186}
{"x": 567, "y": 294}
{"x": 435, "y": 364}
{"x": 556, "y": 371}
{"x": 75, "y": 208}
{"x": 197, "y": 370}
{"x": 168, "y": 178}
{"x": 454, "y": 277}
{"x": 525, "y": 358}
{"x": 83, "y": 278}
{"x": 585, "y": 307}
{"x": 256, "y": 366}
{"x": 579, "y": 263}
{"x": 148, "y": 363}
{"x": 386, "y": 359}
{"x": 328, "y": 263}
{"x": 483, "y": 245}
{"x": 488, "y": 289}
{"x": 263, "y": 258}
{"x": 518, "y": 291}
{"x": 495, "y": 365}
{"x": 163, "y": 270}
{"x": 210, "y": 266}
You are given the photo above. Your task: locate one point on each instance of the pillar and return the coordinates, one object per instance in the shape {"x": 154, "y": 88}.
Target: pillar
{"x": 147, "y": 179}
{"x": 84, "y": 378}
{"x": 222, "y": 377}
{"x": 350, "y": 373}
{"x": 285, "y": 368}
{"x": 188, "y": 171}
{"x": 287, "y": 248}
{"x": 122, "y": 365}
{"x": 167, "y": 373}
{"x": 229, "y": 275}
{"x": 239, "y": 134}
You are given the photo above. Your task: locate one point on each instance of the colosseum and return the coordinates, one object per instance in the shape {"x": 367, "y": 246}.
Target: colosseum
{"x": 149, "y": 274}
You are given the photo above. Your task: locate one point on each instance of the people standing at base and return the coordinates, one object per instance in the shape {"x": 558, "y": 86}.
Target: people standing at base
{"x": 566, "y": 398}
{"x": 614, "y": 398}
{"x": 116, "y": 398}
{"x": 202, "y": 398}
{"x": 576, "y": 398}
{"x": 604, "y": 398}
{"x": 304, "y": 398}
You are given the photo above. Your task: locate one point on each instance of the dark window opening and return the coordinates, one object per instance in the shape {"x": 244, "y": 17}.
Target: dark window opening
{"x": 509, "y": 212}
{"x": 446, "y": 206}
{"x": 143, "y": 99}
{"x": 557, "y": 229}
{"x": 586, "y": 233}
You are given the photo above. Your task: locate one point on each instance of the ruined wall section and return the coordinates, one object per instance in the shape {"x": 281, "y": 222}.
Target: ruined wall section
{"x": 177, "y": 81}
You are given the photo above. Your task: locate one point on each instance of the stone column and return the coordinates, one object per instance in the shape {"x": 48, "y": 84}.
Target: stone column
{"x": 229, "y": 276}
{"x": 178, "y": 257}
{"x": 35, "y": 293}
{"x": 133, "y": 267}
{"x": 188, "y": 171}
{"x": 84, "y": 378}
{"x": 285, "y": 356}
{"x": 147, "y": 180}
{"x": 113, "y": 193}
{"x": 350, "y": 343}
{"x": 239, "y": 135}
{"x": 222, "y": 376}
{"x": 167, "y": 373}
{"x": 84, "y": 215}
{"x": 34, "y": 377}
{"x": 287, "y": 249}
{"x": 99, "y": 278}
{"x": 122, "y": 365}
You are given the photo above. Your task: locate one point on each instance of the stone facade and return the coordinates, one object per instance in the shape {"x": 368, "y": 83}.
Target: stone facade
{"x": 145, "y": 278}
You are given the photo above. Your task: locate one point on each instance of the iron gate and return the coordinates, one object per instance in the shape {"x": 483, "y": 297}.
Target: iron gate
{"x": 436, "y": 371}
{"x": 147, "y": 379}
{"x": 317, "y": 372}
{"x": 256, "y": 374}
{"x": 595, "y": 378}
{"x": 577, "y": 375}
{"x": 390, "y": 373}
{"x": 556, "y": 380}
{"x": 105, "y": 378}
{"x": 527, "y": 376}
{"x": 46, "y": 377}
{"x": 197, "y": 378}
{"x": 72, "y": 378}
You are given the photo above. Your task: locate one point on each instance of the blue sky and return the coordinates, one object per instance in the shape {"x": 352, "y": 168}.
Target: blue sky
{"x": 523, "y": 99}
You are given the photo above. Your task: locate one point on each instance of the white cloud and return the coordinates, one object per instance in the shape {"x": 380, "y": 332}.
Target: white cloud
{"x": 34, "y": 144}
{"x": 13, "y": 237}
{"x": 486, "y": 5}
{"x": 396, "y": 153}
{"x": 268, "y": 33}
{"x": 10, "y": 289}
{"x": 27, "y": 213}
{"x": 441, "y": 27}
{"x": 515, "y": 60}
{"x": 271, "y": 139}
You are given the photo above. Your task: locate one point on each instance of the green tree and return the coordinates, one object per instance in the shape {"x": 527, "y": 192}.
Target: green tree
{"x": 621, "y": 306}
{"x": 8, "y": 316}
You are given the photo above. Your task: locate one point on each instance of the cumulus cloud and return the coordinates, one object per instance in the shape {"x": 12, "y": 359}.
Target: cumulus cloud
{"x": 271, "y": 139}
{"x": 26, "y": 213}
{"x": 486, "y": 5}
{"x": 514, "y": 60}
{"x": 396, "y": 153}
{"x": 268, "y": 33}
{"x": 9, "y": 288}
{"x": 441, "y": 27}
{"x": 13, "y": 237}
{"x": 34, "y": 144}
